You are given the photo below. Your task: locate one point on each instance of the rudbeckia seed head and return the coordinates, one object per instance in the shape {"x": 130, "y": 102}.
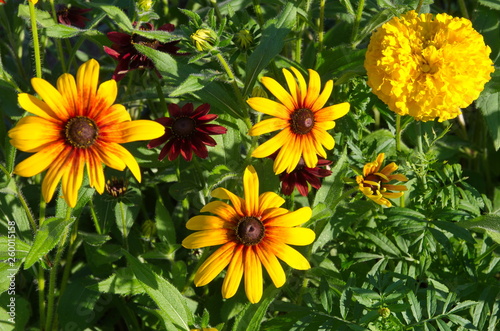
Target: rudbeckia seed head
{"x": 302, "y": 121}
{"x": 250, "y": 230}
{"x": 183, "y": 127}
{"x": 81, "y": 132}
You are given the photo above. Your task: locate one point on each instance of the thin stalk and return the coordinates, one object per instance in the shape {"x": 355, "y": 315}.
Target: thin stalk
{"x": 163, "y": 102}
{"x": 321, "y": 25}
{"x": 357, "y": 21}
{"x": 217, "y": 10}
{"x": 419, "y": 6}
{"x": 232, "y": 79}
{"x": 36, "y": 44}
{"x": 398, "y": 133}
{"x": 41, "y": 294}
{"x": 124, "y": 225}
{"x": 53, "y": 275}
{"x": 94, "y": 217}
{"x": 421, "y": 150}
{"x": 463, "y": 9}
{"x": 258, "y": 12}
{"x": 26, "y": 207}
{"x": 57, "y": 41}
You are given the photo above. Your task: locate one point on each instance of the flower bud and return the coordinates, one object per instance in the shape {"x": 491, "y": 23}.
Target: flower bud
{"x": 243, "y": 39}
{"x": 204, "y": 39}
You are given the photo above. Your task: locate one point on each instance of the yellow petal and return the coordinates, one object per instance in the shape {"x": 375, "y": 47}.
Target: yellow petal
{"x": 105, "y": 97}
{"x": 139, "y": 130}
{"x": 292, "y": 86}
{"x": 207, "y": 238}
{"x": 222, "y": 193}
{"x": 313, "y": 89}
{"x": 273, "y": 144}
{"x": 110, "y": 153}
{"x": 32, "y": 133}
{"x": 325, "y": 126}
{"x": 309, "y": 151}
{"x": 279, "y": 92}
{"x": 272, "y": 265}
{"x": 395, "y": 187}
{"x": 302, "y": 87}
{"x": 214, "y": 264}
{"x": 323, "y": 97}
{"x": 332, "y": 113}
{"x": 267, "y": 126}
{"x": 291, "y": 236}
{"x": 270, "y": 200}
{"x": 289, "y": 155}
{"x": 269, "y": 107}
{"x": 37, "y": 107}
{"x": 54, "y": 174}
{"x": 398, "y": 177}
{"x": 114, "y": 114}
{"x": 87, "y": 80}
{"x": 271, "y": 213}
{"x": 289, "y": 255}
{"x": 67, "y": 87}
{"x": 390, "y": 168}
{"x": 291, "y": 219}
{"x": 40, "y": 161}
{"x": 51, "y": 96}
{"x": 72, "y": 177}
{"x": 253, "y": 275}
{"x": 95, "y": 171}
{"x": 251, "y": 190}
{"x": 324, "y": 138}
{"x": 234, "y": 274}
{"x": 207, "y": 222}
{"x": 221, "y": 209}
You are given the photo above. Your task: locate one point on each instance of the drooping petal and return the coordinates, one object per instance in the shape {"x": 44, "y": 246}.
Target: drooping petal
{"x": 272, "y": 265}
{"x": 251, "y": 190}
{"x": 95, "y": 171}
{"x": 234, "y": 273}
{"x": 37, "y": 107}
{"x": 273, "y": 144}
{"x": 53, "y": 175}
{"x": 214, "y": 264}
{"x": 253, "y": 275}
{"x": 291, "y": 219}
{"x": 207, "y": 238}
{"x": 324, "y": 138}
{"x": 40, "y": 161}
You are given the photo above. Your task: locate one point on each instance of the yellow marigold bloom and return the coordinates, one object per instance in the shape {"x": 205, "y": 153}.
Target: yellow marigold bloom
{"x": 428, "y": 67}
{"x": 253, "y": 232}
{"x": 75, "y": 125}
{"x": 300, "y": 116}
{"x": 374, "y": 182}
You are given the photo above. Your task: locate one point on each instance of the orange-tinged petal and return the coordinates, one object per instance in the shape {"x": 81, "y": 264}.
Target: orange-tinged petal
{"x": 291, "y": 236}
{"x": 72, "y": 176}
{"x": 251, "y": 190}
{"x": 302, "y": 86}
{"x": 313, "y": 89}
{"x": 272, "y": 265}
{"x": 54, "y": 174}
{"x": 106, "y": 94}
{"x": 332, "y": 113}
{"x": 269, "y": 107}
{"x": 40, "y": 161}
{"x": 289, "y": 255}
{"x": 116, "y": 157}
{"x": 391, "y": 187}
{"x": 95, "y": 171}
{"x": 51, "y": 96}
{"x": 389, "y": 169}
{"x": 323, "y": 97}
{"x": 267, "y": 126}
{"x": 32, "y": 134}
{"x": 37, "y": 107}
{"x": 309, "y": 153}
{"x": 114, "y": 114}
{"x": 67, "y": 87}
{"x": 273, "y": 144}
{"x": 214, "y": 264}
{"x": 87, "y": 80}
{"x": 279, "y": 92}
{"x": 222, "y": 193}
{"x": 138, "y": 130}
{"x": 270, "y": 200}
{"x": 207, "y": 238}
{"x": 292, "y": 218}
{"x": 398, "y": 177}
{"x": 253, "y": 275}
{"x": 207, "y": 222}
{"x": 324, "y": 138}
{"x": 269, "y": 214}
{"x": 234, "y": 274}
{"x": 325, "y": 126}
{"x": 393, "y": 195}
{"x": 221, "y": 209}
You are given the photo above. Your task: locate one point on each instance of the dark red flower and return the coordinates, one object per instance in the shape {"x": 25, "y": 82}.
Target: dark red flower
{"x": 72, "y": 16}
{"x": 128, "y": 57}
{"x": 302, "y": 175}
{"x": 186, "y": 132}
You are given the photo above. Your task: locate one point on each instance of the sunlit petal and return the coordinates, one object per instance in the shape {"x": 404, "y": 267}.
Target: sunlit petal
{"x": 234, "y": 273}
{"x": 252, "y": 275}
{"x": 214, "y": 264}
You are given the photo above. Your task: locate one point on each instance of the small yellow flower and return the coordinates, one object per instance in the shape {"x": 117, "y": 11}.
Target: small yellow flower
{"x": 428, "y": 67}
{"x": 301, "y": 117}
{"x": 77, "y": 125}
{"x": 253, "y": 232}
{"x": 204, "y": 39}
{"x": 374, "y": 182}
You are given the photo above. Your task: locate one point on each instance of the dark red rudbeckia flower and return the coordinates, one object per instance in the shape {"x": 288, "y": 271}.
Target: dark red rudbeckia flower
{"x": 128, "y": 57}
{"x": 187, "y": 131}
{"x": 302, "y": 175}
{"x": 72, "y": 16}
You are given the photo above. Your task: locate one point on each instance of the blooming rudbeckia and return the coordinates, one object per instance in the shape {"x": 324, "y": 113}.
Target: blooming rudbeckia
{"x": 75, "y": 125}
{"x": 374, "y": 182}
{"x": 72, "y": 16}
{"x": 253, "y": 232}
{"x": 128, "y": 57}
{"x": 427, "y": 67}
{"x": 300, "y": 116}
{"x": 187, "y": 131}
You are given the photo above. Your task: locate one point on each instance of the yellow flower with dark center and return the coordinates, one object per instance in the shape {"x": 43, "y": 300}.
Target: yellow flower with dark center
{"x": 77, "y": 125}
{"x": 253, "y": 232}
{"x": 375, "y": 182}
{"x": 300, "y": 116}
{"x": 428, "y": 67}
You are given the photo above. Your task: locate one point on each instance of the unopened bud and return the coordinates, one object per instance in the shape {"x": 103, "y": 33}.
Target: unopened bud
{"x": 204, "y": 39}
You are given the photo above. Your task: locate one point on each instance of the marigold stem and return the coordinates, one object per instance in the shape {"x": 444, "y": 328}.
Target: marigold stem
{"x": 36, "y": 44}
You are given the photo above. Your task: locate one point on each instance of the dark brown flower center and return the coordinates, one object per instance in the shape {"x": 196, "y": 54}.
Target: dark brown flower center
{"x": 183, "y": 127}
{"x": 372, "y": 178}
{"x": 81, "y": 132}
{"x": 116, "y": 187}
{"x": 250, "y": 230}
{"x": 138, "y": 39}
{"x": 302, "y": 121}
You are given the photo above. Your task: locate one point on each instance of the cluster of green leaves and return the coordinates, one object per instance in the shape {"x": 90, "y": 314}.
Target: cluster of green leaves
{"x": 430, "y": 264}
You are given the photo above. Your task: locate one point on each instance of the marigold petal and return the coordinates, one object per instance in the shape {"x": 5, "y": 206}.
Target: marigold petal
{"x": 273, "y": 144}
{"x": 251, "y": 190}
{"x": 279, "y": 92}
{"x": 207, "y": 222}
{"x": 323, "y": 97}
{"x": 291, "y": 236}
{"x": 292, "y": 218}
{"x": 221, "y": 209}
{"x": 313, "y": 89}
{"x": 207, "y": 238}
{"x": 214, "y": 264}
{"x": 289, "y": 255}
{"x": 51, "y": 97}
{"x": 272, "y": 265}
{"x": 269, "y": 107}
{"x": 40, "y": 161}
{"x": 222, "y": 193}
{"x": 37, "y": 107}
{"x": 269, "y": 125}
{"x": 253, "y": 275}
{"x": 234, "y": 273}
{"x": 270, "y": 200}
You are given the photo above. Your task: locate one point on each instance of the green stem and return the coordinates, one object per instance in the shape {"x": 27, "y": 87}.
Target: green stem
{"x": 463, "y": 9}
{"x": 36, "y": 44}
{"x": 57, "y": 41}
{"x": 124, "y": 225}
{"x": 217, "y": 10}
{"x": 398, "y": 133}
{"x": 232, "y": 80}
{"x": 258, "y": 12}
{"x": 421, "y": 151}
{"x": 357, "y": 21}
{"x": 419, "y": 6}
{"x": 163, "y": 101}
{"x": 41, "y": 295}
{"x": 26, "y": 208}
{"x": 321, "y": 25}
{"x": 94, "y": 217}
{"x": 53, "y": 275}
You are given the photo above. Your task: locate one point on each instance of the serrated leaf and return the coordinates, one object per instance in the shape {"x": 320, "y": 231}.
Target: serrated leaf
{"x": 43, "y": 18}
{"x": 13, "y": 248}
{"x": 164, "y": 62}
{"x": 461, "y": 321}
{"x": 383, "y": 242}
{"x": 46, "y": 238}
{"x": 489, "y": 223}
{"x": 415, "y": 306}
{"x": 168, "y": 299}
{"x": 116, "y": 15}
{"x": 122, "y": 282}
{"x": 164, "y": 223}
{"x": 160, "y": 35}
{"x": 443, "y": 326}
{"x": 456, "y": 230}
{"x": 124, "y": 217}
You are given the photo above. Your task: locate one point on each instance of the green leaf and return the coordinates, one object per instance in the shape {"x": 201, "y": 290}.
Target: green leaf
{"x": 456, "y": 230}
{"x": 122, "y": 282}
{"x": 13, "y": 248}
{"x": 43, "y": 18}
{"x": 160, "y": 35}
{"x": 271, "y": 44}
{"x": 489, "y": 104}
{"x": 383, "y": 242}
{"x": 46, "y": 238}
{"x": 116, "y": 15}
{"x": 63, "y": 31}
{"x": 164, "y": 223}
{"x": 8, "y": 272}
{"x": 124, "y": 216}
{"x": 22, "y": 310}
{"x": 169, "y": 300}
{"x": 415, "y": 306}
{"x": 489, "y": 223}
{"x": 251, "y": 317}
{"x": 461, "y": 321}
{"x": 164, "y": 62}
